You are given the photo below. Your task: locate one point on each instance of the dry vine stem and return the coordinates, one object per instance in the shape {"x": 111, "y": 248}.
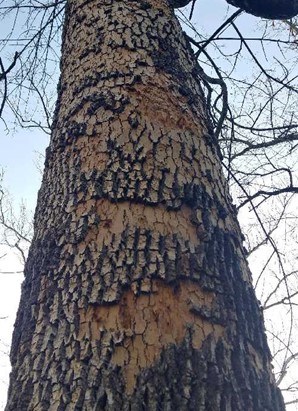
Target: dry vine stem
{"x": 137, "y": 294}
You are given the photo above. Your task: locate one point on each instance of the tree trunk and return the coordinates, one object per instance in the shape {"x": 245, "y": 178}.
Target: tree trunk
{"x": 137, "y": 293}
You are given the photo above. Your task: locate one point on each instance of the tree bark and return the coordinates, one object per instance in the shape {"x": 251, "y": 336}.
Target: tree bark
{"x": 137, "y": 294}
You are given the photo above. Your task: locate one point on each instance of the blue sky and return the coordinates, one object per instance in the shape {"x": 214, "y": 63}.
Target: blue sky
{"x": 18, "y": 156}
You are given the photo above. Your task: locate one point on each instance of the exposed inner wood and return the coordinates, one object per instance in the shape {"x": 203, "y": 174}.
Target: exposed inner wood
{"x": 141, "y": 326}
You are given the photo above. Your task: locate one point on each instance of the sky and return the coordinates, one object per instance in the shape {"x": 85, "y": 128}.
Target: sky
{"x": 21, "y": 151}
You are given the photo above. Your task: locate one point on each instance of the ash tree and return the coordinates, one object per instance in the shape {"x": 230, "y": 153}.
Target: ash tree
{"x": 137, "y": 291}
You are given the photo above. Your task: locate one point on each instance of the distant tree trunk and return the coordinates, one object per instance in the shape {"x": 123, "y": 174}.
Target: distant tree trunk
{"x": 137, "y": 294}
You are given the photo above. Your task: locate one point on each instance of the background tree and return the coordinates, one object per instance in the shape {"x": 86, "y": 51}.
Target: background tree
{"x": 237, "y": 140}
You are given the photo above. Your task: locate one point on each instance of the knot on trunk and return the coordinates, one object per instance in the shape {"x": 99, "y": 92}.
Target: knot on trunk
{"x": 268, "y": 9}
{"x": 176, "y": 4}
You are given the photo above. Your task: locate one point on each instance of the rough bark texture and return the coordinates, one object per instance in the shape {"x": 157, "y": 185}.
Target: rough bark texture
{"x": 137, "y": 294}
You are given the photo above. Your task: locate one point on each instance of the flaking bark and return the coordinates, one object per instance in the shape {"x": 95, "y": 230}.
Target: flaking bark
{"x": 137, "y": 294}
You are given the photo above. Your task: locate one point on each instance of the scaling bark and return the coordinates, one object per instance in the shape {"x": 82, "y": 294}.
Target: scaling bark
{"x": 137, "y": 294}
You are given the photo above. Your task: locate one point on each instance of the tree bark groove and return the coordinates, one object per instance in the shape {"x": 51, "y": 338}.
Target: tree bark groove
{"x": 137, "y": 295}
